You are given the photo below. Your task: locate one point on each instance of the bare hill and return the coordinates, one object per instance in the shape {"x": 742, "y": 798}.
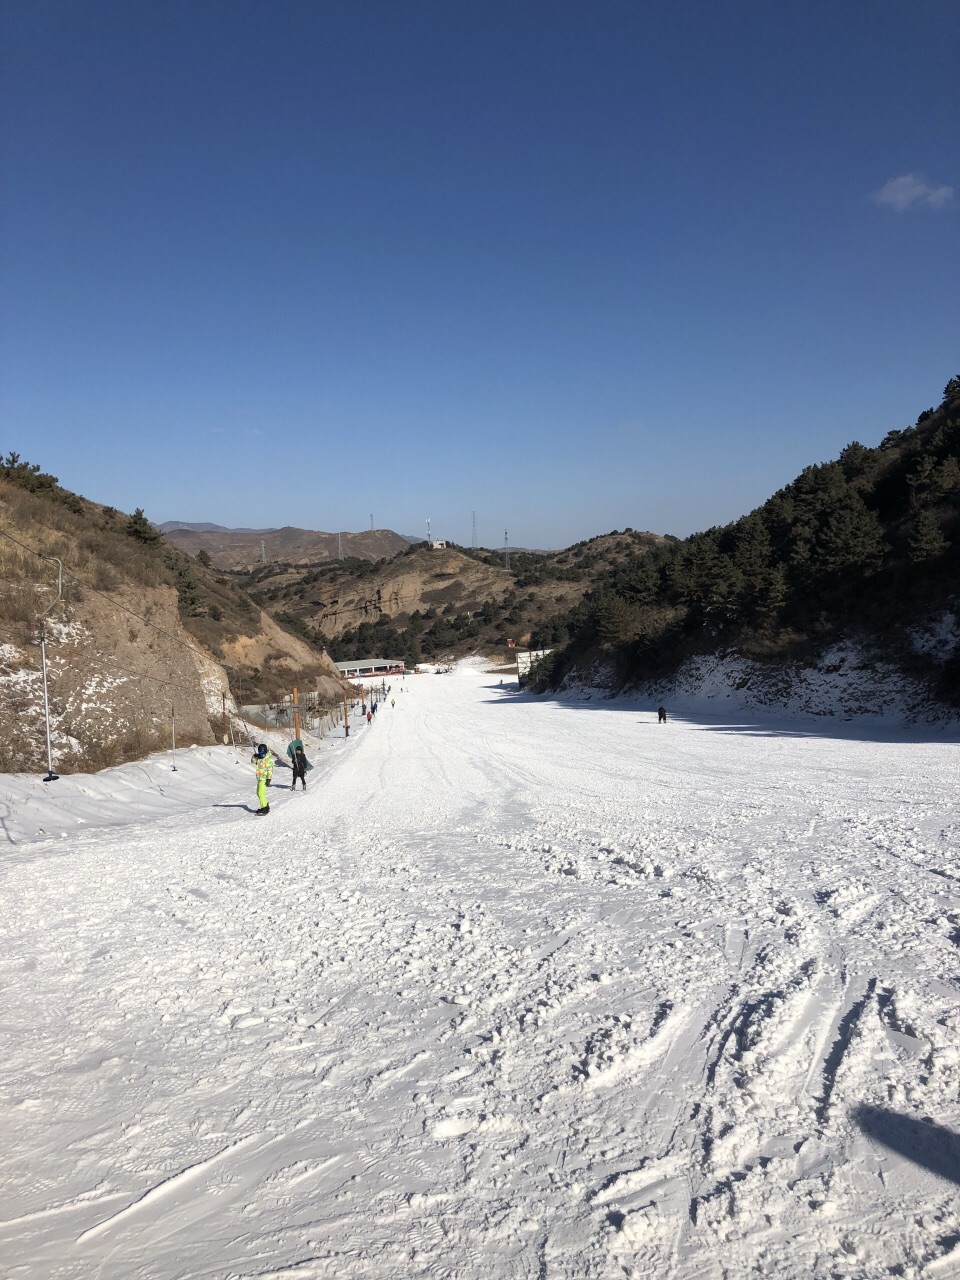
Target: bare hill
{"x": 426, "y": 602}
{"x": 242, "y": 549}
{"x": 204, "y": 527}
{"x": 141, "y": 632}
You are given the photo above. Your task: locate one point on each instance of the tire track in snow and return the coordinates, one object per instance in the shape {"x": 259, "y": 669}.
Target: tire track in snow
{"x": 163, "y": 1190}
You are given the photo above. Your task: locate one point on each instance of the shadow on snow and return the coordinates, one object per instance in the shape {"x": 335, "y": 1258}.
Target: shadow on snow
{"x": 924, "y": 1143}
{"x": 742, "y": 723}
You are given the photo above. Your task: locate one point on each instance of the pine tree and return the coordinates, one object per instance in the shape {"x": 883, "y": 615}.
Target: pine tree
{"x": 139, "y": 527}
{"x": 926, "y": 540}
{"x": 616, "y": 620}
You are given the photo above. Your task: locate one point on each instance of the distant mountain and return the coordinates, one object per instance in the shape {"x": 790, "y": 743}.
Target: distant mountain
{"x": 169, "y": 525}
{"x": 246, "y": 548}
{"x": 438, "y": 602}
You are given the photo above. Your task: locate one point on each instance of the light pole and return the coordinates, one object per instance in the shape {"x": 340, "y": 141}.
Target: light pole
{"x": 51, "y": 776}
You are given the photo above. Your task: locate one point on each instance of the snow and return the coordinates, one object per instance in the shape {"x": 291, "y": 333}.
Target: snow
{"x": 519, "y": 987}
{"x": 939, "y": 638}
{"x": 162, "y": 785}
{"x": 846, "y": 683}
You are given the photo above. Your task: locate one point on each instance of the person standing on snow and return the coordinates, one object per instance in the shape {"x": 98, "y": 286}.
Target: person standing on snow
{"x": 264, "y": 762}
{"x": 661, "y": 715}
{"x": 300, "y": 764}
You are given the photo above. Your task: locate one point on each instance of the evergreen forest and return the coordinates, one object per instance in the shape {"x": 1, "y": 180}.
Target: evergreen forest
{"x": 864, "y": 547}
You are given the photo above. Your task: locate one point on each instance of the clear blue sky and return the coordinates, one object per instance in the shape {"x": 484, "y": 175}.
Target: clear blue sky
{"x": 575, "y": 266}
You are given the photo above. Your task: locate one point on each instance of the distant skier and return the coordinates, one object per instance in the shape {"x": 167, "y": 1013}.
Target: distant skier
{"x": 393, "y": 702}
{"x": 300, "y": 763}
{"x": 369, "y": 716}
{"x": 661, "y": 715}
{"x": 264, "y": 762}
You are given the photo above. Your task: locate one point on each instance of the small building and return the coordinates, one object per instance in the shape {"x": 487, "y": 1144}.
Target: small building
{"x": 437, "y": 544}
{"x": 377, "y": 667}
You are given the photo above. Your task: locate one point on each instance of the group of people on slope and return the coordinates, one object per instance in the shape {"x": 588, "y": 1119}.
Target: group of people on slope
{"x": 263, "y": 759}
{"x": 371, "y": 711}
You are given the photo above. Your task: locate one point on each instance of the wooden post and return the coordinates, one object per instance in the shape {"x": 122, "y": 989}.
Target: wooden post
{"x": 346, "y": 716}
{"x": 225, "y": 738}
{"x": 296, "y": 714}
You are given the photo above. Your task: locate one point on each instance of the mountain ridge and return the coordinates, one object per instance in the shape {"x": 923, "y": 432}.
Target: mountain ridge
{"x": 238, "y": 550}
{"x": 204, "y": 527}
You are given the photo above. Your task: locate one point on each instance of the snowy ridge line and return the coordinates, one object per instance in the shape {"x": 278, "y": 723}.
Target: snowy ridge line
{"x": 165, "y": 1188}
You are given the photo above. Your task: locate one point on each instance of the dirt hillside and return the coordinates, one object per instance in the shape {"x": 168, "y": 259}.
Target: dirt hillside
{"x": 449, "y": 601}
{"x": 141, "y": 635}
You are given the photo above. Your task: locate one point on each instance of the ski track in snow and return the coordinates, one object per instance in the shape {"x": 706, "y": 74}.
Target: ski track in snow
{"x": 516, "y": 989}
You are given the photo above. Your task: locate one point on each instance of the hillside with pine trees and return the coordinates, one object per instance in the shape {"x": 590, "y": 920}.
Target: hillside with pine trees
{"x": 862, "y": 550}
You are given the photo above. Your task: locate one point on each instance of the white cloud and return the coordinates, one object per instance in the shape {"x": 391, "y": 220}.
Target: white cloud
{"x": 909, "y": 191}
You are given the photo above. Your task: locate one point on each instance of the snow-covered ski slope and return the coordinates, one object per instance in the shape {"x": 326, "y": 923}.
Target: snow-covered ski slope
{"x": 518, "y": 988}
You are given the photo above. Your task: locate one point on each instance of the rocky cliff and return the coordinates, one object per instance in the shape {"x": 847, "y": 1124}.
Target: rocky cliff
{"x": 141, "y": 639}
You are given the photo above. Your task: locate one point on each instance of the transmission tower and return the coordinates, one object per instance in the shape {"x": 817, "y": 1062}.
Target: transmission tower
{"x": 428, "y": 528}
{"x": 474, "y": 542}
{"x": 263, "y": 552}
{"x": 339, "y": 546}
{"x": 371, "y": 522}
{"x": 506, "y": 550}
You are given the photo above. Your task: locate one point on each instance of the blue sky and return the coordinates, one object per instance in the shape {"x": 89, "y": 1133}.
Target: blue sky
{"x": 572, "y": 266}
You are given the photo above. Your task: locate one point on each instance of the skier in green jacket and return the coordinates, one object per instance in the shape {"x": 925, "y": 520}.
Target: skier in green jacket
{"x": 264, "y": 762}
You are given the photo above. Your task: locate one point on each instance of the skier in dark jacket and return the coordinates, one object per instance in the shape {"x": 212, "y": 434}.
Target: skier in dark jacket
{"x": 299, "y": 763}
{"x": 661, "y": 715}
{"x": 299, "y": 768}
